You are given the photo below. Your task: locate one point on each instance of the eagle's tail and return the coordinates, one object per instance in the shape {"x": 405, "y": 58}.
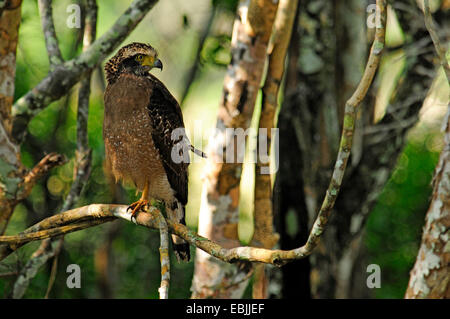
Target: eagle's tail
{"x": 180, "y": 246}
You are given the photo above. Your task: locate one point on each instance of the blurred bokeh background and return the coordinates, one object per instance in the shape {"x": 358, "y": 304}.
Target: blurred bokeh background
{"x": 120, "y": 260}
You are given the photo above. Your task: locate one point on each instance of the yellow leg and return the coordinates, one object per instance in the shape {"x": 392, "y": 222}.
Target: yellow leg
{"x": 137, "y": 206}
{"x": 144, "y": 195}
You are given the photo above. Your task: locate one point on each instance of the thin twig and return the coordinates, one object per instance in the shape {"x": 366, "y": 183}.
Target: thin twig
{"x": 53, "y": 273}
{"x": 38, "y": 171}
{"x": 26, "y": 185}
{"x": 345, "y": 146}
{"x": 7, "y": 274}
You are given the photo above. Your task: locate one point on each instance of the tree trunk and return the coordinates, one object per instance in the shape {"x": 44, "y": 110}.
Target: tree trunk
{"x": 430, "y": 277}
{"x": 11, "y": 171}
{"x": 219, "y": 212}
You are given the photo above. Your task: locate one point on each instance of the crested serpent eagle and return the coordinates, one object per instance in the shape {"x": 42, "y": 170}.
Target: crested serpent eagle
{"x": 141, "y": 117}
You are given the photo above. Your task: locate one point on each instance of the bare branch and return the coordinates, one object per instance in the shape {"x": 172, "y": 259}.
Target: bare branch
{"x": 164, "y": 257}
{"x": 432, "y": 29}
{"x": 25, "y": 186}
{"x": 348, "y": 129}
{"x": 51, "y": 41}
{"x": 24, "y": 238}
{"x": 42, "y": 168}
{"x": 27, "y": 273}
{"x": 96, "y": 214}
{"x": 70, "y": 221}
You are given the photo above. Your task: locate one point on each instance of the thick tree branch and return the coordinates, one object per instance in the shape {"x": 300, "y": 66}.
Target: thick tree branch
{"x": 70, "y": 221}
{"x": 96, "y": 214}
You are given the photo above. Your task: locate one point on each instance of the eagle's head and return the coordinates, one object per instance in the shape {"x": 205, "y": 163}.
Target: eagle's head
{"x": 135, "y": 57}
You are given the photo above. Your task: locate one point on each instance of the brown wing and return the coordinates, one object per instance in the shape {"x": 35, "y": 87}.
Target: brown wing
{"x": 166, "y": 116}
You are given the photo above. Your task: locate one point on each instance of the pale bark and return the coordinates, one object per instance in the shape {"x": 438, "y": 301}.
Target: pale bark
{"x": 264, "y": 235}
{"x": 430, "y": 277}
{"x": 164, "y": 258}
{"x": 219, "y": 212}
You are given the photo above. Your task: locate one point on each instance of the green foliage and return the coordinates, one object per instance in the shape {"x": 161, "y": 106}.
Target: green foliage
{"x": 216, "y": 50}
{"x": 394, "y": 227}
{"x": 229, "y": 5}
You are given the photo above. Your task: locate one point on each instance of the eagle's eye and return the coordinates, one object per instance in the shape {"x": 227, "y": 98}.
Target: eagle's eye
{"x": 139, "y": 57}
